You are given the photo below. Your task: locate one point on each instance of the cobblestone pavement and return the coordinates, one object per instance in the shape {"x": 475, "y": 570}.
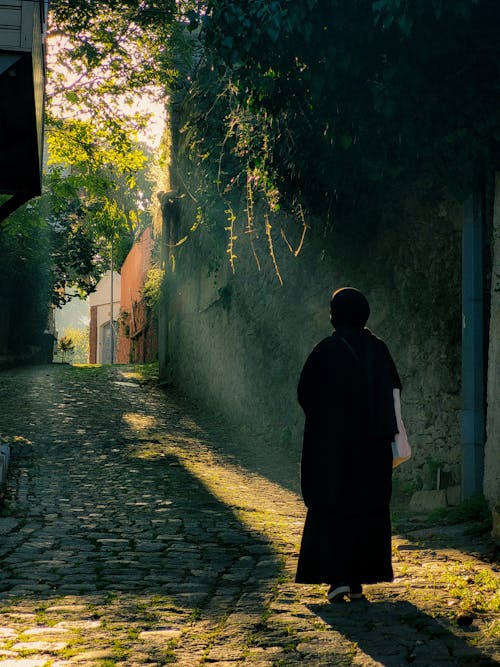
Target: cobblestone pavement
{"x": 132, "y": 534}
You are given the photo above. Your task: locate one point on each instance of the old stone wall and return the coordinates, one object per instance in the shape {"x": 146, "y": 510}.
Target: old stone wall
{"x": 238, "y": 341}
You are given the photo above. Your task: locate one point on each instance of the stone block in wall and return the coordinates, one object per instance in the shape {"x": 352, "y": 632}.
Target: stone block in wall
{"x": 454, "y": 495}
{"x": 495, "y": 532}
{"x": 426, "y": 501}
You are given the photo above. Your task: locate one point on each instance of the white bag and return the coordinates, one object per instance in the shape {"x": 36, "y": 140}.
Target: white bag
{"x": 401, "y": 450}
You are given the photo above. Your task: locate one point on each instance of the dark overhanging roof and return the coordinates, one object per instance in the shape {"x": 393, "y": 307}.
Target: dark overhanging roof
{"x": 22, "y": 79}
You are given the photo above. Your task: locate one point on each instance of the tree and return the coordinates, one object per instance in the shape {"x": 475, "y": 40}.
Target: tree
{"x": 108, "y": 53}
{"x": 103, "y": 57}
{"x": 65, "y": 346}
{"x": 74, "y": 342}
{"x": 25, "y": 278}
{"x": 94, "y": 202}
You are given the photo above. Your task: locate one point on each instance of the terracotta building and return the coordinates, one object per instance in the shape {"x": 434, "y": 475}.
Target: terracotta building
{"x": 137, "y": 335}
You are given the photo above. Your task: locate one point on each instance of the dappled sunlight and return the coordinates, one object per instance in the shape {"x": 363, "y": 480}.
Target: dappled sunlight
{"x": 15, "y": 440}
{"x": 139, "y": 422}
{"x": 131, "y": 375}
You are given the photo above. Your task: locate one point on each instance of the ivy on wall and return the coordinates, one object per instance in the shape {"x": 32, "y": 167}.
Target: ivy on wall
{"x": 343, "y": 98}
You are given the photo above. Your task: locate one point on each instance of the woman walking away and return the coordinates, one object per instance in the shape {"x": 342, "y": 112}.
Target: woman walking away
{"x": 346, "y": 392}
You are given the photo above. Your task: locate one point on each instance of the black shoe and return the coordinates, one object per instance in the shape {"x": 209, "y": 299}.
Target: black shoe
{"x": 337, "y": 592}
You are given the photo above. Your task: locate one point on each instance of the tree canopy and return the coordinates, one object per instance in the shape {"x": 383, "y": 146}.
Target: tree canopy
{"x": 102, "y": 62}
{"x": 355, "y": 95}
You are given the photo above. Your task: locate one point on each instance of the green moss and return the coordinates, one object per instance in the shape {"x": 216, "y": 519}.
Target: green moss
{"x": 474, "y": 510}
{"x": 148, "y": 372}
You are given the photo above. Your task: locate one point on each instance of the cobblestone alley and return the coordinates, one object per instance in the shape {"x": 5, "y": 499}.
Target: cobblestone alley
{"x": 135, "y": 531}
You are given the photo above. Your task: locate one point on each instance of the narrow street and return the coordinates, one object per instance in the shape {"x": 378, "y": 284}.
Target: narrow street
{"x": 136, "y": 532}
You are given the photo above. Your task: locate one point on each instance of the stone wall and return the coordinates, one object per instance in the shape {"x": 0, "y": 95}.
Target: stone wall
{"x": 238, "y": 341}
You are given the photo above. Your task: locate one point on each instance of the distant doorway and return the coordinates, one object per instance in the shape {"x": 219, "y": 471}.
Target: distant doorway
{"x": 107, "y": 340}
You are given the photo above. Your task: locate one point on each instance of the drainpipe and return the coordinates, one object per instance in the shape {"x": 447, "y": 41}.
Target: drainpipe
{"x": 473, "y": 357}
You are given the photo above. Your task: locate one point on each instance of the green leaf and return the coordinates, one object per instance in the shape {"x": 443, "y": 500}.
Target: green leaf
{"x": 405, "y": 23}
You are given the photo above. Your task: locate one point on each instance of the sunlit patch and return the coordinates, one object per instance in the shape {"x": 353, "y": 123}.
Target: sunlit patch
{"x": 132, "y": 375}
{"x": 15, "y": 440}
{"x": 138, "y": 422}
{"x": 262, "y": 506}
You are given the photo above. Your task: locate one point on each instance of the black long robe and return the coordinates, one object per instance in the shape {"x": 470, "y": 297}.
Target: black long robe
{"x": 345, "y": 390}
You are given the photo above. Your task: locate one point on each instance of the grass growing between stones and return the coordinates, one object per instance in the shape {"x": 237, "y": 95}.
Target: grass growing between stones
{"x": 474, "y": 510}
{"x": 476, "y": 591}
{"x": 90, "y": 370}
{"x": 148, "y": 371}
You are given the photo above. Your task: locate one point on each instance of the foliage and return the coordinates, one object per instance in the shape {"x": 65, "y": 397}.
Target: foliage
{"x": 106, "y": 61}
{"x": 147, "y": 372}
{"x": 75, "y": 257}
{"x": 75, "y": 343}
{"x": 474, "y": 510}
{"x": 97, "y": 197}
{"x": 152, "y": 288}
{"x": 105, "y": 55}
{"x": 476, "y": 590}
{"x": 347, "y": 98}
{"x": 25, "y": 278}
{"x": 65, "y": 346}
{"x": 322, "y": 107}
{"x": 102, "y": 58}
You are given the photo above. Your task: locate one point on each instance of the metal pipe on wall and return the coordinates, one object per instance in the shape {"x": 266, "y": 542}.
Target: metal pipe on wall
{"x": 473, "y": 356}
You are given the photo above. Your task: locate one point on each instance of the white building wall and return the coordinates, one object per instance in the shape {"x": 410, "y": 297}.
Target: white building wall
{"x": 102, "y": 299}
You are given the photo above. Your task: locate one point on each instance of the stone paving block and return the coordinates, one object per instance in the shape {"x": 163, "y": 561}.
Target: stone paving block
{"x": 160, "y": 634}
{"x": 41, "y": 631}
{"x": 6, "y": 633}
{"x": 78, "y": 625}
{"x": 383, "y": 661}
{"x": 69, "y": 608}
{"x": 225, "y": 653}
{"x": 41, "y": 646}
{"x": 8, "y": 525}
{"x": 91, "y": 657}
{"x": 25, "y": 662}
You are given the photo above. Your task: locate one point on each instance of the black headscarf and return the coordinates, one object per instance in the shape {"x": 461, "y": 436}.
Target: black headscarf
{"x": 349, "y": 307}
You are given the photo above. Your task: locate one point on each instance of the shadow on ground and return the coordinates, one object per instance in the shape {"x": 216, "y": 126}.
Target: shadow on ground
{"x": 396, "y": 633}
{"x": 92, "y": 517}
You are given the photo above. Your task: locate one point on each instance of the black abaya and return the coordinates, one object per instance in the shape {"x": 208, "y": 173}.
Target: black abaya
{"x": 345, "y": 390}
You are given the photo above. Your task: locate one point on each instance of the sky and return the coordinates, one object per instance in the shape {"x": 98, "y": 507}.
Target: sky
{"x": 74, "y": 314}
